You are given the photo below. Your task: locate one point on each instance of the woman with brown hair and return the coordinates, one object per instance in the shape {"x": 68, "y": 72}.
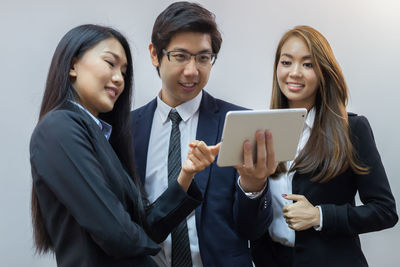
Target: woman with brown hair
{"x": 316, "y": 221}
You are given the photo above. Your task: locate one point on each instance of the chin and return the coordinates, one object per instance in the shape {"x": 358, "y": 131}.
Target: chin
{"x": 107, "y": 109}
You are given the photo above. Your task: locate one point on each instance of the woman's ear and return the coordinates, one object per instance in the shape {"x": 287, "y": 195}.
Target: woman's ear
{"x": 72, "y": 70}
{"x": 153, "y": 55}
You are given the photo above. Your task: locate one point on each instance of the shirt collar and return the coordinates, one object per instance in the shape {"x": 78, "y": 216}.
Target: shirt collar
{"x": 310, "y": 118}
{"x": 186, "y": 110}
{"x": 105, "y": 128}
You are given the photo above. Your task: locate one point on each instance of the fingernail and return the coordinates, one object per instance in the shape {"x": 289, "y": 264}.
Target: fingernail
{"x": 268, "y": 133}
{"x": 284, "y": 195}
{"x": 260, "y": 135}
{"x": 247, "y": 146}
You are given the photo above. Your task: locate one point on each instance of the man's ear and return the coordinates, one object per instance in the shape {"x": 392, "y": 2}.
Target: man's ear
{"x": 153, "y": 55}
{"x": 72, "y": 70}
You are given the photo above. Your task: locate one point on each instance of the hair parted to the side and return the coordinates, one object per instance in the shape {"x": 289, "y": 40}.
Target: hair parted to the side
{"x": 184, "y": 17}
{"x": 59, "y": 90}
{"x": 329, "y": 151}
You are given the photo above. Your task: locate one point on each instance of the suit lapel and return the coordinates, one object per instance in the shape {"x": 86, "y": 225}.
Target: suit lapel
{"x": 302, "y": 185}
{"x": 142, "y": 136}
{"x": 207, "y": 131}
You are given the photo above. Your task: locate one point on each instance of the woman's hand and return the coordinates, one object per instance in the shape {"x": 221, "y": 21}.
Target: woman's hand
{"x": 300, "y": 215}
{"x": 199, "y": 157}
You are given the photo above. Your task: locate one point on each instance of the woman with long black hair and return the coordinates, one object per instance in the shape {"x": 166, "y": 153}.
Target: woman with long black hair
{"x": 87, "y": 204}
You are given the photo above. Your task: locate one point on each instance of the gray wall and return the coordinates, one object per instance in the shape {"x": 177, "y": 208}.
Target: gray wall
{"x": 364, "y": 34}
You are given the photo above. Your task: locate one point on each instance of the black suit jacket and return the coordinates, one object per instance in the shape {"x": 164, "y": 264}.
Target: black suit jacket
{"x": 227, "y": 218}
{"x": 338, "y": 243}
{"x": 88, "y": 201}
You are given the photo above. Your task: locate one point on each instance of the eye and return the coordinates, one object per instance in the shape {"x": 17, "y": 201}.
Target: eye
{"x": 204, "y": 58}
{"x": 109, "y": 63}
{"x": 180, "y": 57}
{"x": 308, "y": 65}
{"x": 285, "y": 63}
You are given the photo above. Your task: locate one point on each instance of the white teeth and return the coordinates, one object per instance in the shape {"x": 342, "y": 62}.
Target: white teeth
{"x": 111, "y": 91}
{"x": 295, "y": 85}
{"x": 188, "y": 84}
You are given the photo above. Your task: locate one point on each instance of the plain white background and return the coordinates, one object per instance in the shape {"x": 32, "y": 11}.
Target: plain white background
{"x": 364, "y": 34}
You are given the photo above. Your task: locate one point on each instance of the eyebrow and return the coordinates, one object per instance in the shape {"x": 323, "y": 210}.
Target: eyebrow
{"x": 290, "y": 56}
{"x": 184, "y": 50}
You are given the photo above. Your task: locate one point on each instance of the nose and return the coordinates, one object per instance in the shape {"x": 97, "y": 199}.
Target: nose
{"x": 118, "y": 78}
{"x": 295, "y": 70}
{"x": 191, "y": 68}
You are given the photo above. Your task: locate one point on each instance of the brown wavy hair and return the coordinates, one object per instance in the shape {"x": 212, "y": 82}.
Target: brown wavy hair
{"x": 329, "y": 151}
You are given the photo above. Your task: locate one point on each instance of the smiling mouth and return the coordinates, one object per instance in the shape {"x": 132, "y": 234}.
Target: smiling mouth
{"x": 112, "y": 91}
{"x": 295, "y": 86}
{"x": 188, "y": 86}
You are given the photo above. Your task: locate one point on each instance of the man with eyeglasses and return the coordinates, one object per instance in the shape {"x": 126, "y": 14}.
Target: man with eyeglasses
{"x": 236, "y": 202}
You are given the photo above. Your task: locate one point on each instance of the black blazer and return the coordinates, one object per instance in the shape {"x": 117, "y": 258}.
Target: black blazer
{"x": 227, "y": 218}
{"x": 338, "y": 243}
{"x": 88, "y": 201}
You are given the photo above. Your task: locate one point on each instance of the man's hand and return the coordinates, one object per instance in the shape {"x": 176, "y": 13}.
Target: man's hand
{"x": 199, "y": 157}
{"x": 254, "y": 176}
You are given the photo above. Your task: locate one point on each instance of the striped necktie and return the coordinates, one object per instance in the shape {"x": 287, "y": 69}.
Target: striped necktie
{"x": 180, "y": 253}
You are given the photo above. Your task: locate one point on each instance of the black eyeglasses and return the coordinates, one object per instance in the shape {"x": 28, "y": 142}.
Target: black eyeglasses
{"x": 203, "y": 59}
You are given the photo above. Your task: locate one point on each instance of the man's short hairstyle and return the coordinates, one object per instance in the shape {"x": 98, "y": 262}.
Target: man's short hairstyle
{"x": 184, "y": 17}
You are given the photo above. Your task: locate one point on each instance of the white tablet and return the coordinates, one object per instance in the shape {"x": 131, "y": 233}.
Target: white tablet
{"x": 285, "y": 125}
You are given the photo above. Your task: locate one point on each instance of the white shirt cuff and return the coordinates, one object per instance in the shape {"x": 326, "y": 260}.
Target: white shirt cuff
{"x": 252, "y": 195}
{"x": 319, "y": 227}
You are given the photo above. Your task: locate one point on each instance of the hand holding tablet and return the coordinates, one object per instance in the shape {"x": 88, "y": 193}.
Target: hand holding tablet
{"x": 285, "y": 125}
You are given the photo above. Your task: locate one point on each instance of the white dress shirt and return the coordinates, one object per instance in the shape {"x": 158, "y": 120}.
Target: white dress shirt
{"x": 157, "y": 165}
{"x": 279, "y": 230}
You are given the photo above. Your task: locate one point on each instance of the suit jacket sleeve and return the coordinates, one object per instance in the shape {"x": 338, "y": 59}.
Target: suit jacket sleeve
{"x": 63, "y": 158}
{"x": 252, "y": 216}
{"x": 378, "y": 210}
{"x": 172, "y": 207}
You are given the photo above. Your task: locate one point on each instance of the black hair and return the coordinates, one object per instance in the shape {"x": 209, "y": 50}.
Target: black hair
{"x": 184, "y": 17}
{"x": 59, "y": 90}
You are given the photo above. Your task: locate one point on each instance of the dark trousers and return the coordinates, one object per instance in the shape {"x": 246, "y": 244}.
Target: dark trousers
{"x": 267, "y": 253}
